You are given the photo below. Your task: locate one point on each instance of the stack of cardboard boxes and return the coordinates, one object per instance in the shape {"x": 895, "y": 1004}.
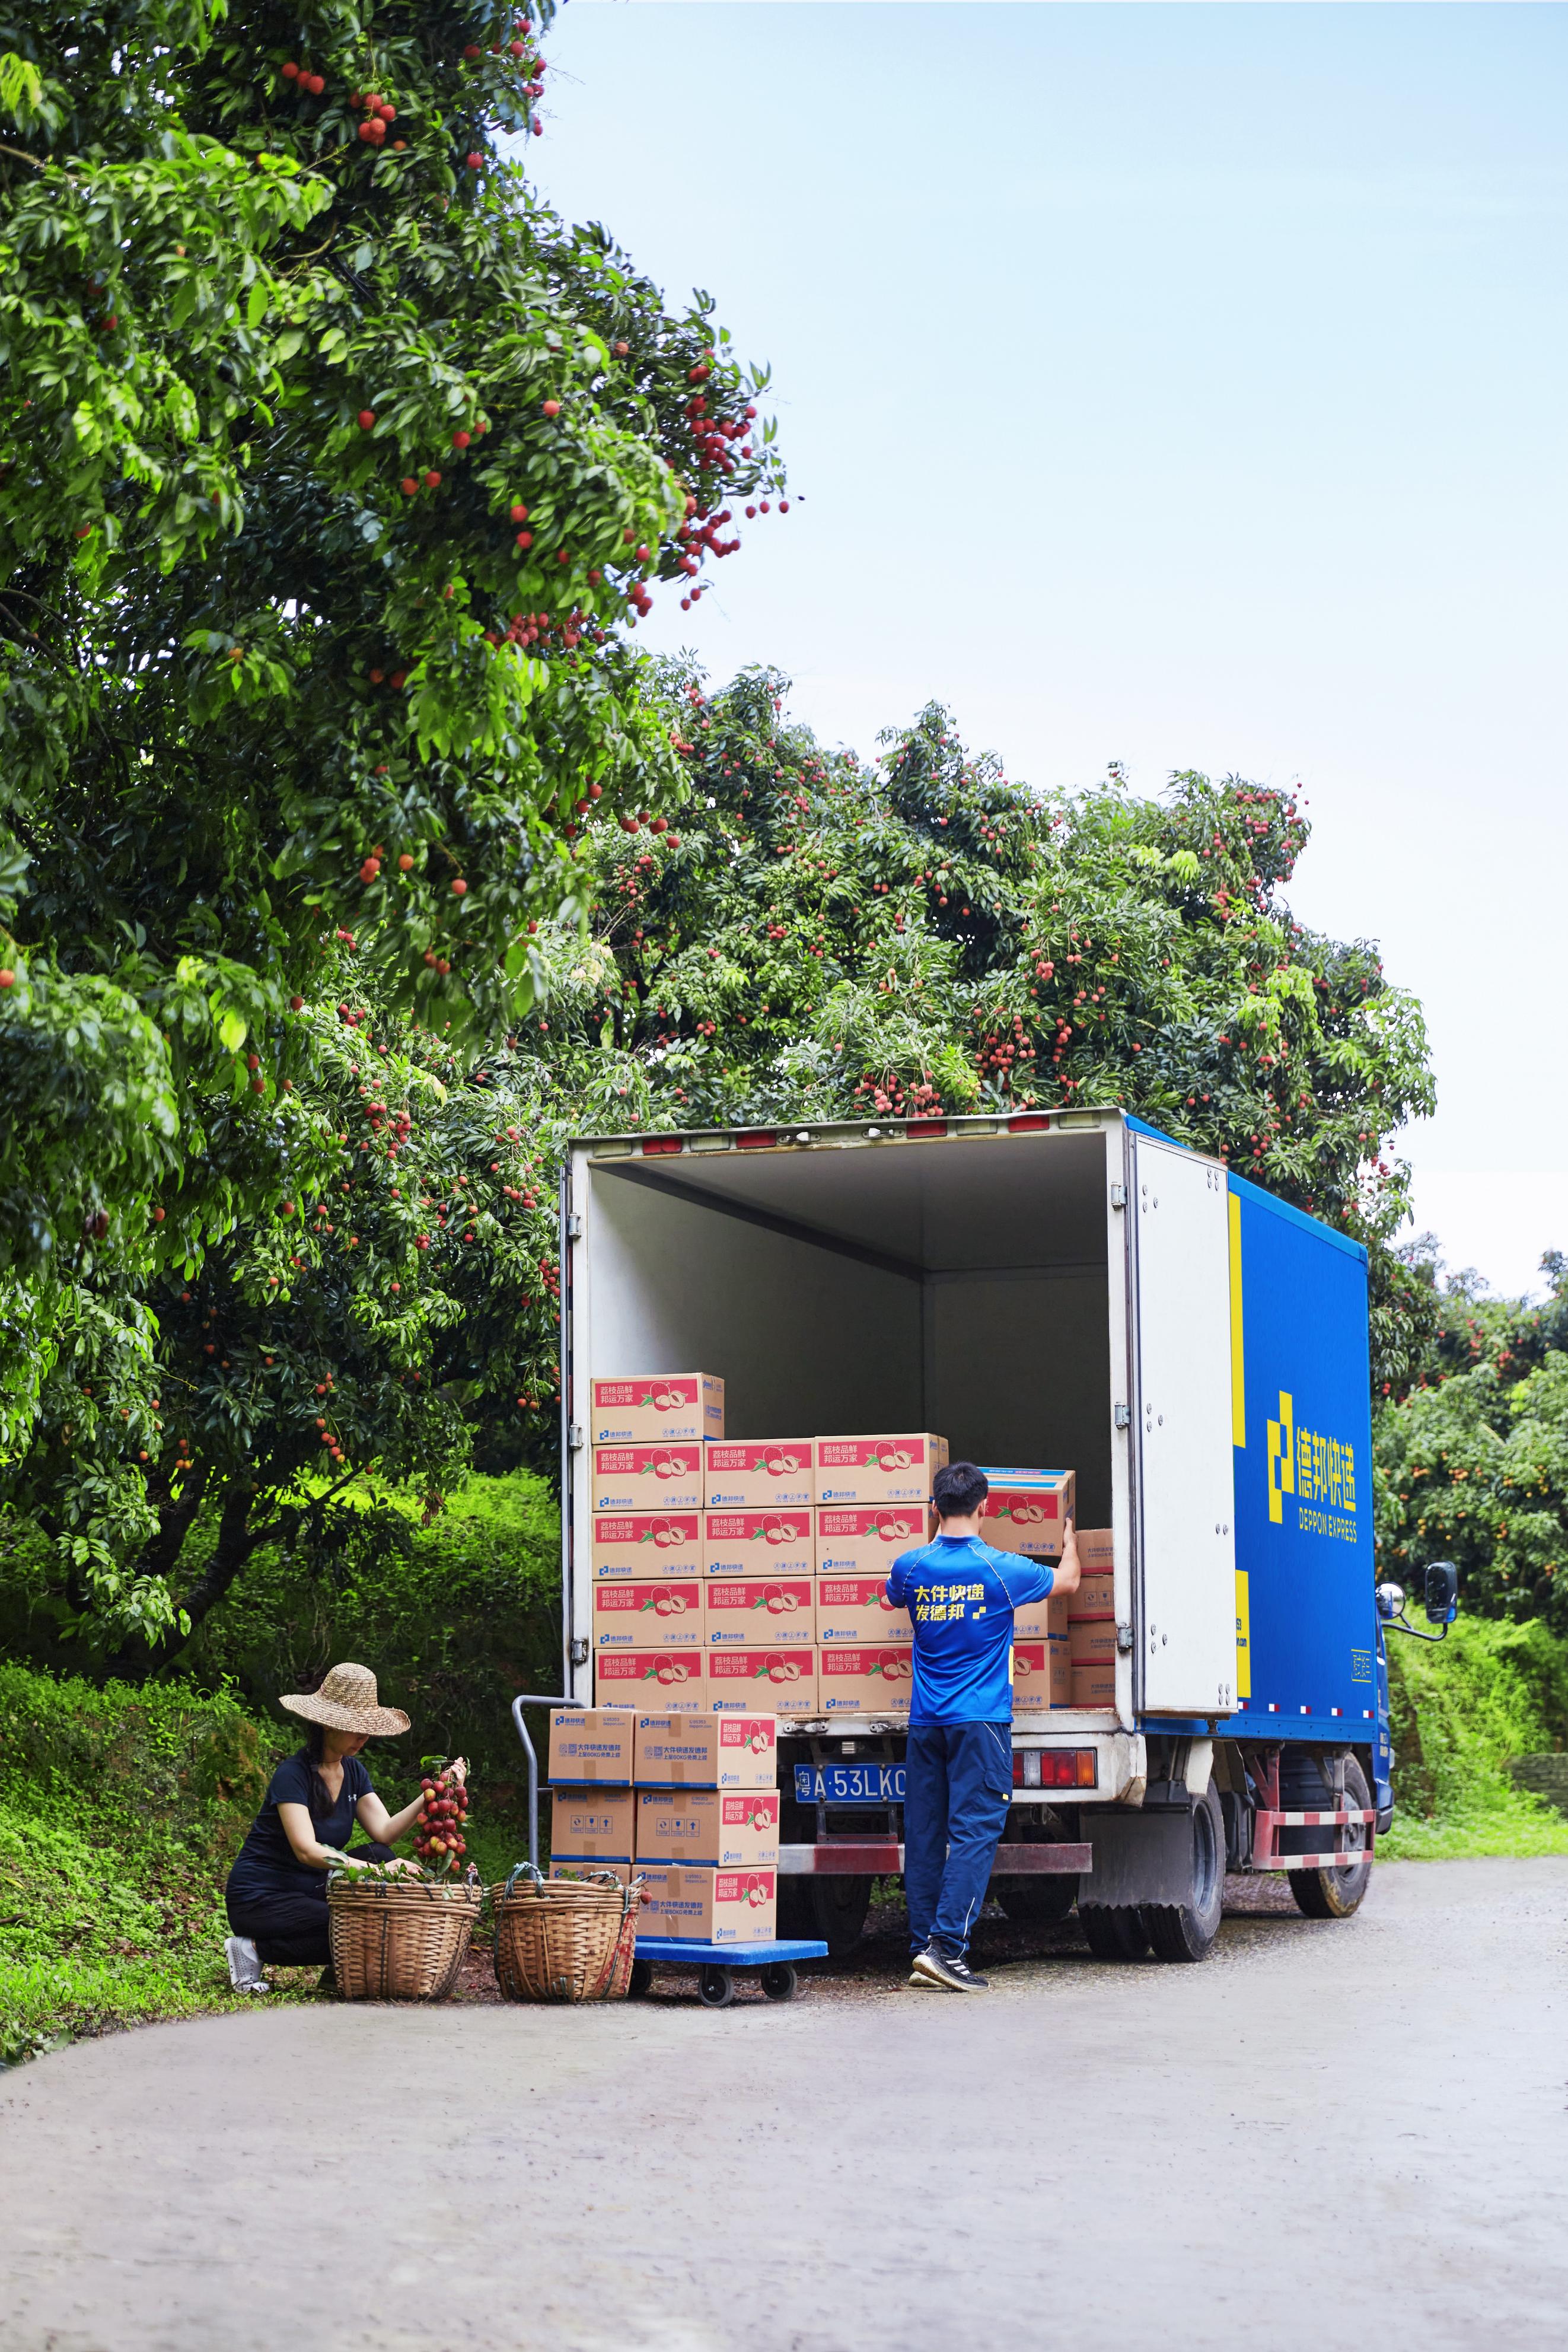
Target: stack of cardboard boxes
{"x": 728, "y": 1572}
{"x": 689, "y": 1802}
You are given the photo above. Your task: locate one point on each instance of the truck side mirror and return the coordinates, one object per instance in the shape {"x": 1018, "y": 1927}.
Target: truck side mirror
{"x": 1390, "y": 1600}
{"x": 1442, "y": 1592}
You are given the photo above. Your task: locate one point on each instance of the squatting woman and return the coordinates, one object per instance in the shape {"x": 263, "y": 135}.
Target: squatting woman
{"x": 277, "y": 1891}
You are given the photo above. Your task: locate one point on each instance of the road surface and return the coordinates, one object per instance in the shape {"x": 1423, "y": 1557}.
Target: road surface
{"x": 1329, "y": 2135}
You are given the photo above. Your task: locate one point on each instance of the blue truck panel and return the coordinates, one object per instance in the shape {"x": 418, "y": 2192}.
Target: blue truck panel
{"x": 1309, "y": 1660}
{"x": 1301, "y": 1424}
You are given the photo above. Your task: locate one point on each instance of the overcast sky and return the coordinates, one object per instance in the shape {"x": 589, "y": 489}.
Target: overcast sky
{"x": 1178, "y": 385}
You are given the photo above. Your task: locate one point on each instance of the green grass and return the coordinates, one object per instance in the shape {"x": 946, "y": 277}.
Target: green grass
{"x": 1460, "y": 1709}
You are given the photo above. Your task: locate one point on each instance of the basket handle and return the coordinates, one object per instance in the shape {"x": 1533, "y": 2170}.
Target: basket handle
{"x": 529, "y": 1870}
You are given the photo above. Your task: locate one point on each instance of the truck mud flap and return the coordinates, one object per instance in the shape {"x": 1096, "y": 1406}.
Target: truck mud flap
{"x": 1140, "y": 1857}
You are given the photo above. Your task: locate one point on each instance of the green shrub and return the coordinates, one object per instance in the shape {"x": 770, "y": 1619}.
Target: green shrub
{"x": 120, "y": 1810}
{"x": 1460, "y": 1709}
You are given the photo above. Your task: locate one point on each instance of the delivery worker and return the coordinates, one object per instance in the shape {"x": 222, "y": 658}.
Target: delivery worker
{"x": 958, "y": 1775}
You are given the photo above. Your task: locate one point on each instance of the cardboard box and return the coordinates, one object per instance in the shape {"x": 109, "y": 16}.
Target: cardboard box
{"x": 880, "y": 1469}
{"x": 1043, "y": 1621}
{"x": 677, "y": 1407}
{"x": 592, "y": 1744}
{"x": 1091, "y": 1640}
{"x": 865, "y": 1538}
{"x": 726, "y": 1831}
{"x": 1041, "y": 1677}
{"x": 777, "y": 1608}
{"x": 635, "y": 1678}
{"x": 856, "y": 1610}
{"x": 709, "y": 1905}
{"x": 570, "y": 1869}
{"x": 778, "y": 1677}
{"x": 630, "y": 1614}
{"x": 1094, "y": 1686}
{"x": 1096, "y": 1549}
{"x": 1096, "y": 1596}
{"x": 647, "y": 1544}
{"x": 864, "y": 1678}
{"x": 708, "y": 1751}
{"x": 758, "y": 1474}
{"x": 758, "y": 1543}
{"x": 1028, "y": 1510}
{"x": 648, "y": 1477}
{"x": 592, "y": 1825}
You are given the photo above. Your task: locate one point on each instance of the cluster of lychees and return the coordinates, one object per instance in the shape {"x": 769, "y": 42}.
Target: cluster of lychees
{"x": 440, "y": 1839}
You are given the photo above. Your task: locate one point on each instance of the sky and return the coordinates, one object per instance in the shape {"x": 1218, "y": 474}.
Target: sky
{"x": 1177, "y": 384}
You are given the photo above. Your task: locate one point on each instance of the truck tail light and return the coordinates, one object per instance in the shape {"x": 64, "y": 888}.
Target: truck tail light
{"x": 917, "y": 1126}
{"x": 1029, "y": 1122}
{"x": 756, "y": 1139}
{"x": 652, "y": 1145}
{"x": 1055, "y": 1768}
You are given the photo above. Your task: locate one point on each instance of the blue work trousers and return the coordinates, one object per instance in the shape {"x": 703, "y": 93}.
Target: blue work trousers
{"x": 958, "y": 1779}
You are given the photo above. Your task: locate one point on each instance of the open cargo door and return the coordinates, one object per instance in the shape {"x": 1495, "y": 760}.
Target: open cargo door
{"x": 1186, "y": 1663}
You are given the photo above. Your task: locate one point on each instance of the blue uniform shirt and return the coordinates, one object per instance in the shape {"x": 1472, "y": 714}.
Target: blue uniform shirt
{"x": 961, "y": 1595}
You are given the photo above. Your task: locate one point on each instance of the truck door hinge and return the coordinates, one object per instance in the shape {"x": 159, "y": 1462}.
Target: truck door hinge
{"x": 579, "y": 1649}
{"x": 1124, "y": 1416}
{"x": 1118, "y": 1196}
{"x": 574, "y": 1435}
{"x": 573, "y": 1226}
{"x": 1123, "y": 1638}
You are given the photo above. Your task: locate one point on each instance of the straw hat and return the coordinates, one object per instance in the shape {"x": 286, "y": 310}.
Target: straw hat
{"x": 346, "y": 1702}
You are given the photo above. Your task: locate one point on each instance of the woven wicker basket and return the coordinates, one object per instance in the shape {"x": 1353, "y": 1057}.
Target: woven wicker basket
{"x": 565, "y": 1938}
{"x": 399, "y": 1940}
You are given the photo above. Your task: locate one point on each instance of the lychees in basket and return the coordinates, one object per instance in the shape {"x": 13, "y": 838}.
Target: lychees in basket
{"x": 439, "y": 1841}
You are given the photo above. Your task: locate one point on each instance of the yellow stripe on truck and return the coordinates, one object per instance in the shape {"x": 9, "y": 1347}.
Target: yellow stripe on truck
{"x": 1237, "y": 1355}
{"x": 1243, "y": 1637}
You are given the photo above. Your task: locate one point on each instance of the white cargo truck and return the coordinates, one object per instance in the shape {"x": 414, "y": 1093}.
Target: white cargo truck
{"x": 1065, "y": 1289}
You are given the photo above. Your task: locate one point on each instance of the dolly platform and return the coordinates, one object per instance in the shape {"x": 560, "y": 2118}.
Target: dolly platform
{"x": 716, "y": 1965}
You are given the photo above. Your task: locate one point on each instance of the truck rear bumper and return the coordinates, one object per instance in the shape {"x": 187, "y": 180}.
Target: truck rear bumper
{"x": 884, "y": 1858}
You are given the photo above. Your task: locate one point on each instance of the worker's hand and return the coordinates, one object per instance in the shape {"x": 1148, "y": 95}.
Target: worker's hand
{"x": 458, "y": 1768}
{"x": 404, "y": 1867}
{"x": 1068, "y": 1570}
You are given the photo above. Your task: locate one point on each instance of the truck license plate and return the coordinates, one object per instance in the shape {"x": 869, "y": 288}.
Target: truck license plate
{"x": 849, "y": 1784}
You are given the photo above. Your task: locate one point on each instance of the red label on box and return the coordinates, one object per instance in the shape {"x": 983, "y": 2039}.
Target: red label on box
{"x": 642, "y": 1396}
{"x": 660, "y": 1465}
{"x": 763, "y": 1531}
{"x": 759, "y": 1460}
{"x": 899, "y": 1525}
{"x": 756, "y": 1809}
{"x": 770, "y": 1670}
{"x": 633, "y": 1677}
{"x": 660, "y": 1532}
{"x": 855, "y": 1592}
{"x": 661, "y": 1600}
{"x": 1025, "y": 1510}
{"x": 894, "y": 1667}
{"x": 868, "y": 1452}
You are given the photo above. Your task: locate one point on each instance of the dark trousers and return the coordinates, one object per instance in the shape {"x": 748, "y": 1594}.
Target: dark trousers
{"x": 958, "y": 1779}
{"x": 287, "y": 1924}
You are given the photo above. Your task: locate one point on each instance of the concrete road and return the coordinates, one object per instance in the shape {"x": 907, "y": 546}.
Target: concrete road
{"x": 1329, "y": 2135}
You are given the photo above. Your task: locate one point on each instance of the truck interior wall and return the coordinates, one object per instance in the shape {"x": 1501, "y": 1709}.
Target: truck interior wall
{"x": 997, "y": 1333}
{"x": 804, "y": 1339}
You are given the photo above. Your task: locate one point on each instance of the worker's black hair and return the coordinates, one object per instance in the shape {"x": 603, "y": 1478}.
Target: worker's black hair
{"x": 958, "y": 1490}
{"x": 314, "y": 1753}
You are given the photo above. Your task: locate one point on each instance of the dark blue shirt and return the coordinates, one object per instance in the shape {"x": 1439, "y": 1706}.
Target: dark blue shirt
{"x": 265, "y": 1862}
{"x": 960, "y": 1595}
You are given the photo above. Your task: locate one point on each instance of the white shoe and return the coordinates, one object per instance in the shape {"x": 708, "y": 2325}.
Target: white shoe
{"x": 244, "y": 1965}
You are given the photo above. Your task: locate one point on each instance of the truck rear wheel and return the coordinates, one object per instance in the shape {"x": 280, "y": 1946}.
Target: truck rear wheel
{"x": 1038, "y": 1902}
{"x": 1331, "y": 1894}
{"x": 1185, "y": 1931}
{"x": 1113, "y": 1931}
{"x": 824, "y": 1905}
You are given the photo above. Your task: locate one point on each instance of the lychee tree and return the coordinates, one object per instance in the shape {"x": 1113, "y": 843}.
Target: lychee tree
{"x": 334, "y": 472}
{"x": 823, "y": 939}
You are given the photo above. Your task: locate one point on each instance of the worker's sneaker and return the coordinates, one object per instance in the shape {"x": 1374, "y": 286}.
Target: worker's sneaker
{"x": 244, "y": 1965}
{"x": 951, "y": 1972}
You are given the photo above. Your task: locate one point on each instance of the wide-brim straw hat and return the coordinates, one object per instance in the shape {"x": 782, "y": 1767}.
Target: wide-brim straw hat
{"x": 346, "y": 1702}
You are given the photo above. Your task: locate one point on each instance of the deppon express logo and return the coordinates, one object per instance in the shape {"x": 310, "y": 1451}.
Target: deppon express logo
{"x": 1317, "y": 1472}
